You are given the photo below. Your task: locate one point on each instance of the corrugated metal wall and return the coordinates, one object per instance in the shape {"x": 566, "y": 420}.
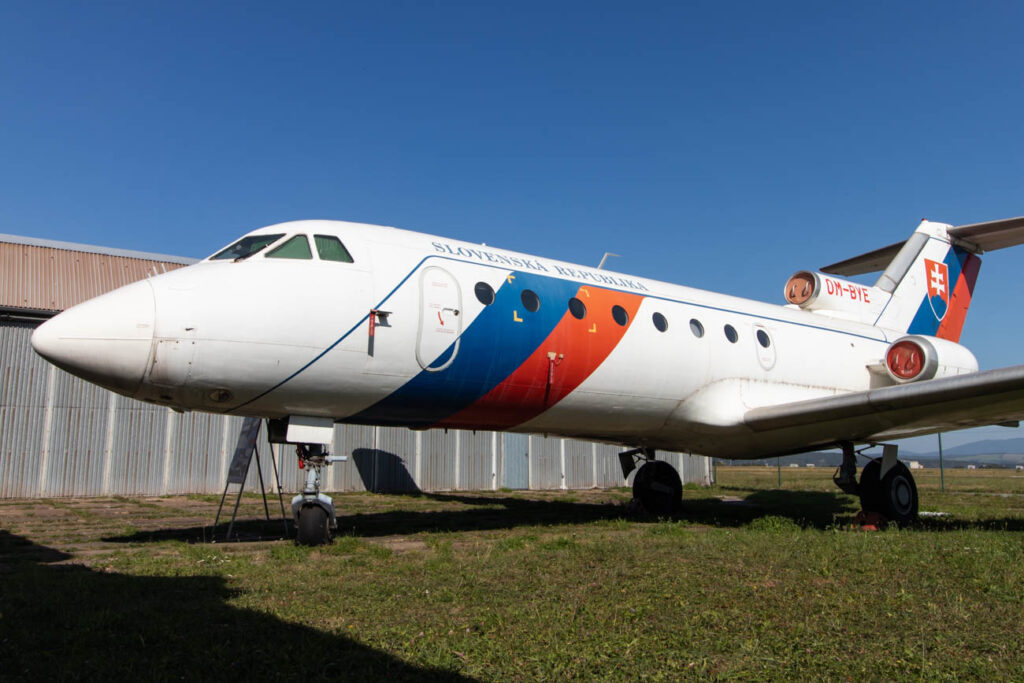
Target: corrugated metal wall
{"x": 61, "y": 436}
{"x": 54, "y": 278}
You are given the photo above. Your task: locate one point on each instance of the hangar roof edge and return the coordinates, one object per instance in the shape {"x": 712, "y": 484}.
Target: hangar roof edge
{"x": 92, "y": 249}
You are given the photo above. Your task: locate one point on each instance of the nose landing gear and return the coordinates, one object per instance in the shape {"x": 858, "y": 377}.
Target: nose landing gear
{"x": 313, "y": 511}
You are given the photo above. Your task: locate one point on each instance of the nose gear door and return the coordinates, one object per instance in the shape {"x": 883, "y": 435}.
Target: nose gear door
{"x": 437, "y": 339}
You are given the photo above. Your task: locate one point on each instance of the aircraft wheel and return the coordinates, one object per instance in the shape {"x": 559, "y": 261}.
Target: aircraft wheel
{"x": 894, "y": 496}
{"x": 871, "y": 487}
{"x": 313, "y": 528}
{"x": 658, "y": 488}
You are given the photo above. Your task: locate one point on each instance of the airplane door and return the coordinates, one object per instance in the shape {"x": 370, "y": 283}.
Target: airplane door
{"x": 437, "y": 340}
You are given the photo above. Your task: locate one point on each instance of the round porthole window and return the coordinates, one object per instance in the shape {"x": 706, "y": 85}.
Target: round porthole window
{"x": 697, "y": 328}
{"x": 763, "y": 339}
{"x": 731, "y": 334}
{"x": 484, "y": 293}
{"x": 577, "y": 308}
{"x": 531, "y": 301}
{"x": 619, "y": 315}
{"x": 660, "y": 323}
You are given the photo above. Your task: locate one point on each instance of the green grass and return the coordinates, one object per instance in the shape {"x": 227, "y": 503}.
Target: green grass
{"x": 750, "y": 582}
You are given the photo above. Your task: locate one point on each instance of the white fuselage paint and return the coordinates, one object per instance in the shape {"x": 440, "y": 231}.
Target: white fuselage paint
{"x": 275, "y": 337}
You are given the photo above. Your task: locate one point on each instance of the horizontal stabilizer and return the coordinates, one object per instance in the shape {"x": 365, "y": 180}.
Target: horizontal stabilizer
{"x": 992, "y": 235}
{"x": 988, "y": 236}
{"x": 871, "y": 262}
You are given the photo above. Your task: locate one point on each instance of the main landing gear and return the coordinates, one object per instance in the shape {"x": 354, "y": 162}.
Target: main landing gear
{"x": 886, "y": 485}
{"x": 313, "y": 511}
{"x": 656, "y": 486}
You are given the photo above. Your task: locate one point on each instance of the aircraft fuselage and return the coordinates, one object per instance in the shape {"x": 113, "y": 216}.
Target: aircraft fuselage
{"x": 425, "y": 332}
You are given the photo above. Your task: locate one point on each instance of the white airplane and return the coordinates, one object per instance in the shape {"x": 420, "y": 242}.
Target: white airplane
{"x": 315, "y": 322}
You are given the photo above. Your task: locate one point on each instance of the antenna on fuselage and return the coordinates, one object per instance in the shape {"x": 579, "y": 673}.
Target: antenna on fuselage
{"x": 605, "y": 258}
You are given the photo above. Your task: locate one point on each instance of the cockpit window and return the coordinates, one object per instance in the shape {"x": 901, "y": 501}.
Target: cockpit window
{"x": 297, "y": 248}
{"x": 330, "y": 248}
{"x": 247, "y": 246}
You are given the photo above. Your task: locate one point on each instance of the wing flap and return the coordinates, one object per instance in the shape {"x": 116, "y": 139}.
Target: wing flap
{"x": 977, "y": 399}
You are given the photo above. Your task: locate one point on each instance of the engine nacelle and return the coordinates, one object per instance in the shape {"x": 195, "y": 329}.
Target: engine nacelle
{"x": 917, "y": 357}
{"x": 834, "y": 296}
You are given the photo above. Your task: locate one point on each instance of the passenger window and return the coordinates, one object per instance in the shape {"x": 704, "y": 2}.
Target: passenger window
{"x": 730, "y": 334}
{"x": 484, "y": 293}
{"x": 246, "y": 247}
{"x": 619, "y": 315}
{"x": 295, "y": 248}
{"x": 660, "y": 322}
{"x": 530, "y": 300}
{"x": 330, "y": 248}
{"x": 763, "y": 339}
{"x": 577, "y": 308}
{"x": 696, "y": 327}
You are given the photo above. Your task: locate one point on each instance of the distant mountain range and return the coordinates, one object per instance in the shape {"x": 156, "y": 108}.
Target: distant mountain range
{"x": 984, "y": 453}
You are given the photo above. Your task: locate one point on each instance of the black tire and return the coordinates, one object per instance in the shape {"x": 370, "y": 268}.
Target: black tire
{"x": 894, "y": 496}
{"x": 871, "y": 487}
{"x": 899, "y": 494}
{"x": 313, "y": 528}
{"x": 658, "y": 488}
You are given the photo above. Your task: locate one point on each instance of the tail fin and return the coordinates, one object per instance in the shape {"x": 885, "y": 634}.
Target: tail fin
{"x": 932, "y": 281}
{"x": 931, "y": 277}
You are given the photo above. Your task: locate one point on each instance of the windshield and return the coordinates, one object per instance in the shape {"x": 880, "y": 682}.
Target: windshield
{"x": 246, "y": 247}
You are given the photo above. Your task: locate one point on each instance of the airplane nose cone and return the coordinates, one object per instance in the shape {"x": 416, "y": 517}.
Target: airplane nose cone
{"x": 105, "y": 340}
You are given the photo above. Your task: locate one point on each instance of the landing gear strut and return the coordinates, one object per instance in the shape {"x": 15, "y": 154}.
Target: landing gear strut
{"x": 656, "y": 486}
{"x": 886, "y": 485}
{"x": 846, "y": 476}
{"x": 313, "y": 511}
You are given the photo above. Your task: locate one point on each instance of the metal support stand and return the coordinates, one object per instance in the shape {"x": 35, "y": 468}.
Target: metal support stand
{"x": 280, "y": 493}
{"x": 239, "y": 471}
{"x": 942, "y": 468}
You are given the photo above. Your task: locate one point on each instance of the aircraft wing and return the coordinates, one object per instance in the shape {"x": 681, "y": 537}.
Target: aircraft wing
{"x": 972, "y": 400}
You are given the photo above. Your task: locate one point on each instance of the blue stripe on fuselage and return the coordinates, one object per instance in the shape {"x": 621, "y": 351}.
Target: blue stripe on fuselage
{"x": 490, "y": 349}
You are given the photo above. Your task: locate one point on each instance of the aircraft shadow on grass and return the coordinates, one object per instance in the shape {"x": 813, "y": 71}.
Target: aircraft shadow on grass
{"x": 385, "y": 472}
{"x": 68, "y": 621}
{"x": 810, "y": 509}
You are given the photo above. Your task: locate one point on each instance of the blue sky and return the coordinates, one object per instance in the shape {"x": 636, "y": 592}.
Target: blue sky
{"x": 718, "y": 145}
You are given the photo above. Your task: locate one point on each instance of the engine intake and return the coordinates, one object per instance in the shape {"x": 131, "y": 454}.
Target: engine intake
{"x": 917, "y": 357}
{"x": 834, "y": 296}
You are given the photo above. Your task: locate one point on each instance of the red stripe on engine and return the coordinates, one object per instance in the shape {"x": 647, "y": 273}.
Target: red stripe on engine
{"x": 953, "y": 324}
{"x": 579, "y": 347}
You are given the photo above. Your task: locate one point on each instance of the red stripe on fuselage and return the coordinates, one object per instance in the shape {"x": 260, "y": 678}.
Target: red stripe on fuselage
{"x": 578, "y": 346}
{"x": 953, "y": 324}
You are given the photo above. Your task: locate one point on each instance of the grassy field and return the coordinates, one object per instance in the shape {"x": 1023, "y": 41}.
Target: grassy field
{"x": 748, "y": 582}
